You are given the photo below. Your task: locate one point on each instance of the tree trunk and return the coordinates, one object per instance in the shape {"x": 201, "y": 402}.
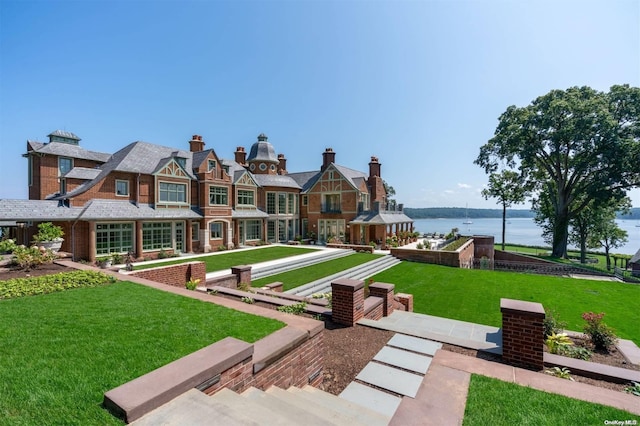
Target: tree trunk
{"x": 606, "y": 252}
{"x": 560, "y": 234}
{"x": 583, "y": 249}
{"x": 504, "y": 223}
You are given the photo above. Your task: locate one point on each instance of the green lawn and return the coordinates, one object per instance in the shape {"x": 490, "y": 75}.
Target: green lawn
{"x": 474, "y": 295}
{"x": 544, "y": 253}
{"x": 226, "y": 260}
{"x": 60, "y": 352}
{"x": 494, "y": 402}
{"x": 311, "y": 273}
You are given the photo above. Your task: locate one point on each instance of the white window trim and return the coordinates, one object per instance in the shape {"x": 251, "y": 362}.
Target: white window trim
{"x": 186, "y": 193}
{"x": 223, "y": 187}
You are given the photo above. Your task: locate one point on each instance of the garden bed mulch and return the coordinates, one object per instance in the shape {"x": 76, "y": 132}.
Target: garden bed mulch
{"x": 8, "y": 272}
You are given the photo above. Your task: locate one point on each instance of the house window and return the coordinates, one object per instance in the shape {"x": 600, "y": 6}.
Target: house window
{"x": 305, "y": 200}
{"x": 212, "y": 165}
{"x": 245, "y": 197}
{"x": 271, "y": 202}
{"x": 291, "y": 203}
{"x": 182, "y": 161}
{"x": 271, "y": 231}
{"x": 122, "y": 188}
{"x": 173, "y": 192}
{"x": 195, "y": 231}
{"x": 218, "y": 195}
{"x": 215, "y": 230}
{"x": 30, "y": 169}
{"x": 64, "y": 165}
{"x": 114, "y": 238}
{"x": 253, "y": 229}
{"x": 331, "y": 203}
{"x": 282, "y": 202}
{"x": 156, "y": 236}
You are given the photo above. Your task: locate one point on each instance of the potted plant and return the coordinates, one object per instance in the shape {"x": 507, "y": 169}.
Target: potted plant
{"x": 104, "y": 261}
{"x": 49, "y": 236}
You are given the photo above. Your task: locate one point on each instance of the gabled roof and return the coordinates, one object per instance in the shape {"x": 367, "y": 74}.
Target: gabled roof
{"x": 635, "y": 258}
{"x": 199, "y": 157}
{"x": 305, "y": 179}
{"x": 67, "y": 150}
{"x": 354, "y": 177}
{"x": 236, "y": 171}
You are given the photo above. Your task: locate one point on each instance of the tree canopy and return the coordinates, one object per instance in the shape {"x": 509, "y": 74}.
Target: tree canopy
{"x": 573, "y": 147}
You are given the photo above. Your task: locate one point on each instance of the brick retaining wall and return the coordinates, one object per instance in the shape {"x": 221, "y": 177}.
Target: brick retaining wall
{"x": 174, "y": 275}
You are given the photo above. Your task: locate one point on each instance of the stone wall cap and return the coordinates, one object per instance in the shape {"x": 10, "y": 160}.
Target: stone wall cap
{"x": 272, "y": 347}
{"x": 531, "y": 308}
{"x": 348, "y": 283}
{"x": 385, "y": 286}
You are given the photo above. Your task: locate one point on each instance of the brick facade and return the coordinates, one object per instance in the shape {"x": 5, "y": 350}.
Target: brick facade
{"x": 174, "y": 275}
{"x": 384, "y": 291}
{"x": 522, "y": 333}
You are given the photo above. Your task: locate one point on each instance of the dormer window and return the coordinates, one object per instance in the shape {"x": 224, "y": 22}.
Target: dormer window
{"x": 182, "y": 161}
{"x": 212, "y": 165}
{"x": 64, "y": 165}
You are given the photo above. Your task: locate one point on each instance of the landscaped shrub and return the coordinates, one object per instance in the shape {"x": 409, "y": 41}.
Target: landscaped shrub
{"x": 552, "y": 324}
{"x": 248, "y": 300}
{"x": 563, "y": 373}
{"x": 574, "y": 351}
{"x": 634, "y": 389}
{"x": 295, "y": 309}
{"x": 28, "y": 258}
{"x": 419, "y": 246}
{"x": 163, "y": 254}
{"x": 19, "y": 287}
{"x": 192, "y": 284}
{"x": 47, "y": 231}
{"x": 601, "y": 335}
{"x": 7, "y": 246}
{"x": 556, "y": 342}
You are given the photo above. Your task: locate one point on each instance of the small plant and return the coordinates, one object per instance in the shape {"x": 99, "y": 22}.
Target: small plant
{"x": 248, "y": 300}
{"x": 577, "y": 352}
{"x": 327, "y": 296}
{"x": 634, "y": 389}
{"x": 222, "y": 247}
{"x": 556, "y": 342}
{"x": 117, "y": 258}
{"x": 552, "y": 324}
{"x": 47, "y": 231}
{"x": 7, "y": 246}
{"x": 243, "y": 287}
{"x": 192, "y": 284}
{"x": 419, "y": 246}
{"x": 563, "y": 373}
{"x": 601, "y": 335}
{"x": 295, "y": 309}
{"x": 163, "y": 254}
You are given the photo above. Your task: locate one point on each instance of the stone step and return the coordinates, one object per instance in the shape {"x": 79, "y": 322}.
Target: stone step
{"x": 302, "y": 261}
{"x": 287, "y": 410}
{"x": 350, "y": 409}
{"x": 404, "y": 359}
{"x": 390, "y": 379}
{"x": 195, "y": 408}
{"x": 257, "y": 412}
{"x": 328, "y": 413}
{"x": 374, "y": 399}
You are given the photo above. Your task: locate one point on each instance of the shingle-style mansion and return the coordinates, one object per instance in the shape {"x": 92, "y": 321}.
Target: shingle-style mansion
{"x": 146, "y": 198}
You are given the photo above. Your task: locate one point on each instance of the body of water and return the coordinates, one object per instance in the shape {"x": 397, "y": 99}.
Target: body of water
{"x": 519, "y": 230}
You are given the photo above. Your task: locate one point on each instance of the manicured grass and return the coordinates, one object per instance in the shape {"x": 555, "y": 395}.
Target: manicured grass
{"x": 311, "y": 273}
{"x": 60, "y": 352}
{"x": 474, "y": 295}
{"x": 226, "y": 260}
{"x": 494, "y": 402}
{"x": 544, "y": 254}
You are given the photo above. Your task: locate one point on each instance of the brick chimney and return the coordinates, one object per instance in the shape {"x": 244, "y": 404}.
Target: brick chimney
{"x": 241, "y": 155}
{"x": 196, "y": 144}
{"x": 374, "y": 167}
{"x": 328, "y": 157}
{"x": 282, "y": 165}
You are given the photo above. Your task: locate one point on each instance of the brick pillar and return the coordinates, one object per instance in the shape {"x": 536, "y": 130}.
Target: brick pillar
{"x": 242, "y": 273}
{"x": 406, "y": 300}
{"x": 198, "y": 271}
{"x": 385, "y": 291}
{"x": 138, "y": 239}
{"x": 522, "y": 332}
{"x": 347, "y": 301}
{"x": 92, "y": 242}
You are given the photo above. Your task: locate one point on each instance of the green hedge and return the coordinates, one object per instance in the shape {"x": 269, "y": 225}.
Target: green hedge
{"x": 19, "y": 287}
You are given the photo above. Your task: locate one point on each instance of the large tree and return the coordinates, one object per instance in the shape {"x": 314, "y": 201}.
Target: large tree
{"x": 574, "y": 147}
{"x": 508, "y": 188}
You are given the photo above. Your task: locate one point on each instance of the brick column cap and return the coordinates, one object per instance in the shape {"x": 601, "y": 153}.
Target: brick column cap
{"x": 522, "y": 307}
{"x": 382, "y": 286}
{"x": 347, "y": 284}
{"x": 240, "y": 268}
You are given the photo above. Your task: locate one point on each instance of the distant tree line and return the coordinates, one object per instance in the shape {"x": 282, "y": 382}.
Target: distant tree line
{"x": 460, "y": 212}
{"x": 634, "y": 214}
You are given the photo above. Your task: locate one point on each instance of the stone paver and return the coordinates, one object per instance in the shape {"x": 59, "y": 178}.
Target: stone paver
{"x": 378, "y": 401}
{"x": 403, "y": 359}
{"x": 414, "y": 344}
{"x": 390, "y": 378}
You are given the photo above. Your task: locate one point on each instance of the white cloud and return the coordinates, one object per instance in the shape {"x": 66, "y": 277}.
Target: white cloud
{"x": 464, "y": 186}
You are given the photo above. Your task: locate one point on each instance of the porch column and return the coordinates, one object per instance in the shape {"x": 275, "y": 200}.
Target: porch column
{"x": 230, "y": 233}
{"x": 92, "y": 242}
{"x": 189, "y": 236}
{"x": 204, "y": 238}
{"x": 138, "y": 252}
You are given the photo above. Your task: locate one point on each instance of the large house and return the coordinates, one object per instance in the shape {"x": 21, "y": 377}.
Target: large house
{"x": 147, "y": 198}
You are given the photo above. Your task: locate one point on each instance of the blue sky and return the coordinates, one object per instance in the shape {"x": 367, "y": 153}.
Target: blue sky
{"x": 418, "y": 84}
